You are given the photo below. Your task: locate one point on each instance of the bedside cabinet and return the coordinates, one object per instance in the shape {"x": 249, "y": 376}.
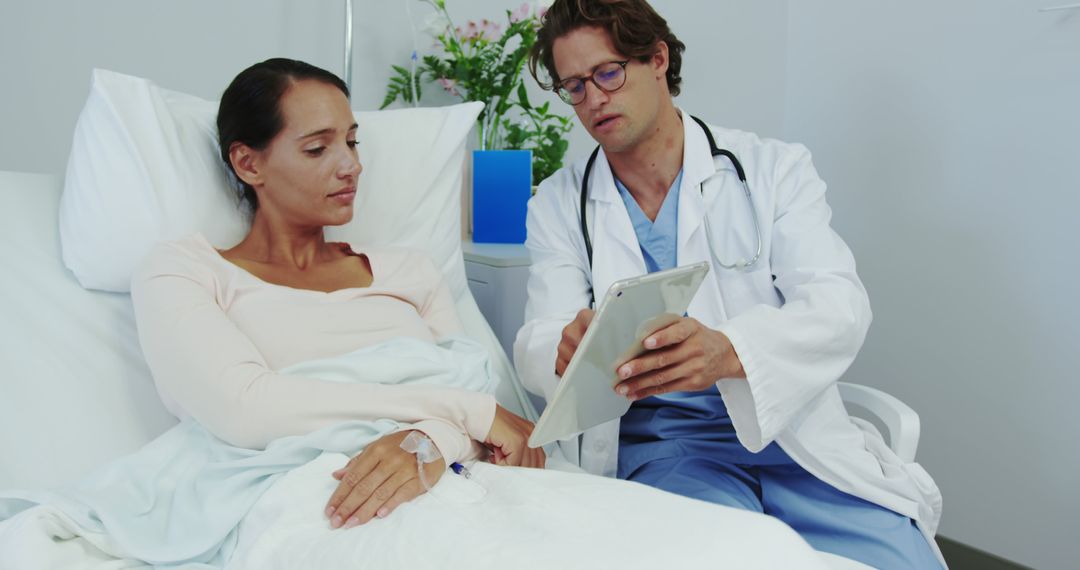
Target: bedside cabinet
{"x": 497, "y": 275}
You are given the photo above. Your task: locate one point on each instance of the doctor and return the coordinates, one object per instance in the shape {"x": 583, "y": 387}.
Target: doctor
{"x": 737, "y": 402}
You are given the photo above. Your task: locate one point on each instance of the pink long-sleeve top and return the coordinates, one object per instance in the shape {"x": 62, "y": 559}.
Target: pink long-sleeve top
{"x": 214, "y": 336}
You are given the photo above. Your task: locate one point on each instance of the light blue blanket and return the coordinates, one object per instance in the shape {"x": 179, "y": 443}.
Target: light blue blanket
{"x": 177, "y": 502}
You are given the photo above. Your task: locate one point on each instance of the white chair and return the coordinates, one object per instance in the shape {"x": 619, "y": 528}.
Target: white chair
{"x": 873, "y": 409}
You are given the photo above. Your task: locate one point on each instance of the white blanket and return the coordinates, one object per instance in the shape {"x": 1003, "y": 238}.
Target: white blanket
{"x": 514, "y": 518}
{"x": 501, "y": 518}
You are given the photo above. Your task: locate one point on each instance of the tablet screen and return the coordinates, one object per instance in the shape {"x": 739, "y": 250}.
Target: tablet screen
{"x": 631, "y": 310}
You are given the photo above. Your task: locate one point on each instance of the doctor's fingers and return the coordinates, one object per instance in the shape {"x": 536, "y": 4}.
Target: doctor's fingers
{"x": 571, "y": 338}
{"x": 529, "y": 457}
{"x": 515, "y": 456}
{"x": 533, "y": 458}
{"x": 565, "y": 353}
{"x": 583, "y": 318}
{"x": 560, "y": 367}
{"x": 660, "y": 358}
{"x": 685, "y": 385}
{"x": 539, "y": 460}
{"x": 576, "y": 328}
{"x": 682, "y": 376}
{"x": 575, "y": 331}
{"x": 525, "y": 456}
{"x": 675, "y": 333}
{"x": 688, "y": 384}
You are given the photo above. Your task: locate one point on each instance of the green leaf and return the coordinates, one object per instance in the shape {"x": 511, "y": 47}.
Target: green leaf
{"x": 523, "y": 97}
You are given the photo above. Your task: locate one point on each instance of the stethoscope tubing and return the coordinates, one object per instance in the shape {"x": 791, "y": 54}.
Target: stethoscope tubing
{"x": 741, "y": 264}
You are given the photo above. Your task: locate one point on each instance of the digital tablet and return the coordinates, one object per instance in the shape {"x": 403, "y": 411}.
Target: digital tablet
{"x": 631, "y": 310}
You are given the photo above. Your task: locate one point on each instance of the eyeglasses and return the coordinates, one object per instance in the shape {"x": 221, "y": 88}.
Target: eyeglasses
{"x": 606, "y": 77}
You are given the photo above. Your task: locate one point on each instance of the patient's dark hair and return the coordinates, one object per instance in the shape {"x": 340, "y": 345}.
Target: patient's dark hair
{"x": 250, "y": 109}
{"x": 635, "y": 29}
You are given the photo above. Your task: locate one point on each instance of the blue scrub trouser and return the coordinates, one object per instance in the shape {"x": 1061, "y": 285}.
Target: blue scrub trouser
{"x": 830, "y": 520}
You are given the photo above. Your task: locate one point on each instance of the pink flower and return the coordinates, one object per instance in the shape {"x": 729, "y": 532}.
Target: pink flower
{"x": 450, "y": 86}
{"x": 490, "y": 31}
{"x": 521, "y": 13}
{"x": 471, "y": 31}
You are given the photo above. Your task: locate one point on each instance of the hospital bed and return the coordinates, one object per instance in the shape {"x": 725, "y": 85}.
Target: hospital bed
{"x": 75, "y": 391}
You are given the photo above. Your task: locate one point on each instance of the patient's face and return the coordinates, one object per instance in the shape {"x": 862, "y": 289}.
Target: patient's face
{"x": 310, "y": 168}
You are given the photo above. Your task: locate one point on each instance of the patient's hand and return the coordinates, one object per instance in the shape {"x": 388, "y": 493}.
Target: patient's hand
{"x": 377, "y": 480}
{"x": 508, "y": 440}
{"x": 571, "y": 338}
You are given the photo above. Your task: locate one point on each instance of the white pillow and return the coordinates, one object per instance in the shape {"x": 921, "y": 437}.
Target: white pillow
{"x": 144, "y": 167}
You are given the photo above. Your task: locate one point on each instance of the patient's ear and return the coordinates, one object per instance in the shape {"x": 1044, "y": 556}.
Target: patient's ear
{"x": 243, "y": 159}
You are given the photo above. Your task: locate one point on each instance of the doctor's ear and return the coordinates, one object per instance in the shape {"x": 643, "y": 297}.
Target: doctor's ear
{"x": 244, "y": 161}
{"x": 660, "y": 61}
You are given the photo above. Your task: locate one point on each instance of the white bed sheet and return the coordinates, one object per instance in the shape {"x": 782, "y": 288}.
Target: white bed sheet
{"x": 75, "y": 391}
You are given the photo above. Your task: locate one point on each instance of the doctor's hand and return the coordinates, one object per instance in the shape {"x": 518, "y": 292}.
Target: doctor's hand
{"x": 571, "y": 338}
{"x": 686, "y": 356}
{"x": 508, "y": 441}
{"x": 377, "y": 480}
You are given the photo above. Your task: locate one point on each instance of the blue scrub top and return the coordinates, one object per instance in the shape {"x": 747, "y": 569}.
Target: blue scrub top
{"x": 677, "y": 424}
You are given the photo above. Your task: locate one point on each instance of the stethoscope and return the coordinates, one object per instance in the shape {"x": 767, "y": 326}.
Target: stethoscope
{"x": 742, "y": 264}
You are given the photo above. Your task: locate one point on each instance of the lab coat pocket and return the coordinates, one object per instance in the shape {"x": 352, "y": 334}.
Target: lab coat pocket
{"x": 741, "y": 290}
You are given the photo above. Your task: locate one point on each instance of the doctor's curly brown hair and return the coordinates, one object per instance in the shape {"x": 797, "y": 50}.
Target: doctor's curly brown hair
{"x": 634, "y": 26}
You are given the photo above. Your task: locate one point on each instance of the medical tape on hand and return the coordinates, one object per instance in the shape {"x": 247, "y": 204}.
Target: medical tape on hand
{"x": 425, "y": 451}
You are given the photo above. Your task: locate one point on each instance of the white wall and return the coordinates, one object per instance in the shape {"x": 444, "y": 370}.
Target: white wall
{"x": 950, "y": 133}
{"x": 47, "y": 50}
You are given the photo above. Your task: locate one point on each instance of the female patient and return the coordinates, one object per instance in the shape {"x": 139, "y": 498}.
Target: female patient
{"x": 216, "y": 325}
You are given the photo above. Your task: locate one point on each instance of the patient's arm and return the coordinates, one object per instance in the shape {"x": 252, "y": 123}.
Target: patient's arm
{"x": 438, "y": 309}
{"x": 213, "y": 372}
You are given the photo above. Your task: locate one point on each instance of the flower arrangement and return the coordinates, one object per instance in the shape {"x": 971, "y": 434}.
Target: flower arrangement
{"x": 483, "y": 61}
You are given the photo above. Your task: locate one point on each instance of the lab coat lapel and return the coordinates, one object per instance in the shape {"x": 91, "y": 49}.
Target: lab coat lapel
{"x": 616, "y": 252}
{"x": 698, "y": 167}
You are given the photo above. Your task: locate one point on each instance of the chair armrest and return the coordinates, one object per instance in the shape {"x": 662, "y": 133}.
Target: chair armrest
{"x": 900, "y": 420}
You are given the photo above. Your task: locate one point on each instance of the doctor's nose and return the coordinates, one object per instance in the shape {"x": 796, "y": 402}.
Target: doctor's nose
{"x": 594, "y": 95}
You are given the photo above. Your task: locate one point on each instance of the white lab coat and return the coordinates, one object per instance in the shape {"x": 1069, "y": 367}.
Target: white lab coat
{"x": 796, "y": 318}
